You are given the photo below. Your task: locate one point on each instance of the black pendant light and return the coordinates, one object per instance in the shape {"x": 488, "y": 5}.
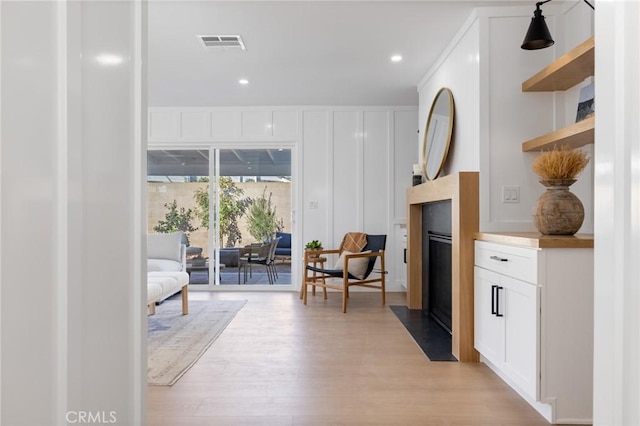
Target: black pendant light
{"x": 538, "y": 35}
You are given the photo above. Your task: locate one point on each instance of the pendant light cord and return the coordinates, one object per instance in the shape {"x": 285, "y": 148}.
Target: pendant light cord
{"x": 547, "y": 1}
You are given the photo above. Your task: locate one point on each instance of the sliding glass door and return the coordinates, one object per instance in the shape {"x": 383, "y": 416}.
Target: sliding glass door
{"x": 174, "y": 180}
{"x": 231, "y": 203}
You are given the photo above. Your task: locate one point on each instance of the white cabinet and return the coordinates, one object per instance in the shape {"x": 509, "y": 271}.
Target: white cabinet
{"x": 487, "y": 325}
{"x": 520, "y": 331}
{"x": 506, "y": 326}
{"x": 534, "y": 324}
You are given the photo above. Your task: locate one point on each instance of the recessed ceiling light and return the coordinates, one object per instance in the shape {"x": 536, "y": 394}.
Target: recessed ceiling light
{"x": 243, "y": 81}
{"x": 109, "y": 59}
{"x": 396, "y": 58}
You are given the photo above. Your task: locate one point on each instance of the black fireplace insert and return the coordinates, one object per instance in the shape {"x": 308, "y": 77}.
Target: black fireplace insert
{"x": 436, "y": 262}
{"x": 439, "y": 301}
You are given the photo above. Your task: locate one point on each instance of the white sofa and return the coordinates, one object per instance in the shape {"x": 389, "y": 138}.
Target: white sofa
{"x": 166, "y": 269}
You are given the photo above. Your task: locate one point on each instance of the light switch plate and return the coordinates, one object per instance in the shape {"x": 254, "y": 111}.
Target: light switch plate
{"x": 510, "y": 194}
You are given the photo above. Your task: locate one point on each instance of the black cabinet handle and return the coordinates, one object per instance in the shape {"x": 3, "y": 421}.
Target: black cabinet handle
{"x": 499, "y": 259}
{"x": 493, "y": 299}
{"x": 405, "y": 256}
{"x": 498, "y": 288}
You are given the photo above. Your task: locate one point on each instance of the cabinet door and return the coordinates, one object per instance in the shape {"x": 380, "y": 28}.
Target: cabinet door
{"x": 487, "y": 331}
{"x": 520, "y": 307}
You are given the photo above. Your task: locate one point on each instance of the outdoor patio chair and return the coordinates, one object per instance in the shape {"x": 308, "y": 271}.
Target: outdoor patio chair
{"x": 272, "y": 261}
{"x": 354, "y": 268}
{"x": 245, "y": 256}
{"x": 191, "y": 251}
{"x": 267, "y": 260}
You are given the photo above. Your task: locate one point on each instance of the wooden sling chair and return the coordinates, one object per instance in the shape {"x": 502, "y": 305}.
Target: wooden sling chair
{"x": 354, "y": 268}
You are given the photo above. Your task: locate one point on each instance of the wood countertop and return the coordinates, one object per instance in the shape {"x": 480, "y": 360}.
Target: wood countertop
{"x": 536, "y": 240}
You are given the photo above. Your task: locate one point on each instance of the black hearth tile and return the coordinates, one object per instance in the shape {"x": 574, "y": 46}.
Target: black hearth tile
{"x": 434, "y": 341}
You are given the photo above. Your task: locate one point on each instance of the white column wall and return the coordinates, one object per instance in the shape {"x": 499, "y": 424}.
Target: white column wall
{"x": 108, "y": 317}
{"x": 29, "y": 329}
{"x": 355, "y": 164}
{"x": 71, "y": 307}
{"x": 617, "y": 215}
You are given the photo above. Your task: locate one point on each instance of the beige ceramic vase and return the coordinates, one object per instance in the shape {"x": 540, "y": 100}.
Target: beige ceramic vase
{"x": 559, "y": 211}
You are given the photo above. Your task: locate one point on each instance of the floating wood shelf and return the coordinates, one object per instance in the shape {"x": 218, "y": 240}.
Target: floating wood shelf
{"x": 566, "y": 71}
{"x": 575, "y": 135}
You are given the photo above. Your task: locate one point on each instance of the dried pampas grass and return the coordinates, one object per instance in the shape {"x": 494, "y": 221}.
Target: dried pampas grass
{"x": 560, "y": 163}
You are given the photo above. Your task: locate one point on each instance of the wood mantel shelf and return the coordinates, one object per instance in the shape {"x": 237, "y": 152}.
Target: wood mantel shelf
{"x": 575, "y": 135}
{"x": 536, "y": 240}
{"x": 462, "y": 189}
{"x": 566, "y": 71}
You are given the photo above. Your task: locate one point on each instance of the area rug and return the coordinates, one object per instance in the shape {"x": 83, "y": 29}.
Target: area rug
{"x": 175, "y": 341}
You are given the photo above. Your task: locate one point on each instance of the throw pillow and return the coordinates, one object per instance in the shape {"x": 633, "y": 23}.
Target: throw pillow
{"x": 357, "y": 266}
{"x": 285, "y": 242}
{"x": 163, "y": 265}
{"x": 164, "y": 246}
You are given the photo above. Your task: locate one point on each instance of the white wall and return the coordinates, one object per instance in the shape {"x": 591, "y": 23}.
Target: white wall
{"x": 485, "y": 67}
{"x": 459, "y": 70}
{"x": 222, "y": 125}
{"x": 71, "y": 287}
{"x": 617, "y": 215}
{"x": 513, "y": 117}
{"x": 28, "y": 215}
{"x": 355, "y": 164}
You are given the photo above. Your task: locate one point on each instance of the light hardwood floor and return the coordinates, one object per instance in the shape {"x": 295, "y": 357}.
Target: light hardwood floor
{"x": 282, "y": 363}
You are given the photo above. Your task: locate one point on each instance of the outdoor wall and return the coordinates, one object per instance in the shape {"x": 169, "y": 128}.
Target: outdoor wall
{"x": 158, "y": 194}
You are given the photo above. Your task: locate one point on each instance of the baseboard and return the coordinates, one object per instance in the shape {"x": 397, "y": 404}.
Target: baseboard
{"x": 546, "y": 410}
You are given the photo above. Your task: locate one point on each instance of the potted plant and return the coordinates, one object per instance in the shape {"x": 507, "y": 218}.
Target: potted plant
{"x": 313, "y": 245}
{"x": 559, "y": 211}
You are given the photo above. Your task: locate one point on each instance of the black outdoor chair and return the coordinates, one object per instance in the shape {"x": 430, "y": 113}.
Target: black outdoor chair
{"x": 355, "y": 271}
{"x": 266, "y": 257}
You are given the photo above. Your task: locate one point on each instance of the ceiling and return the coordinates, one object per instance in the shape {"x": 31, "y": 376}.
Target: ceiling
{"x": 299, "y": 52}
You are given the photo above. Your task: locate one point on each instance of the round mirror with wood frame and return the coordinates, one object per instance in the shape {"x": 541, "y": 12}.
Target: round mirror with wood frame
{"x": 437, "y": 134}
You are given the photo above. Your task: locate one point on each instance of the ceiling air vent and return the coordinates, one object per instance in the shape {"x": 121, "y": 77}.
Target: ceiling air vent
{"x": 222, "y": 41}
